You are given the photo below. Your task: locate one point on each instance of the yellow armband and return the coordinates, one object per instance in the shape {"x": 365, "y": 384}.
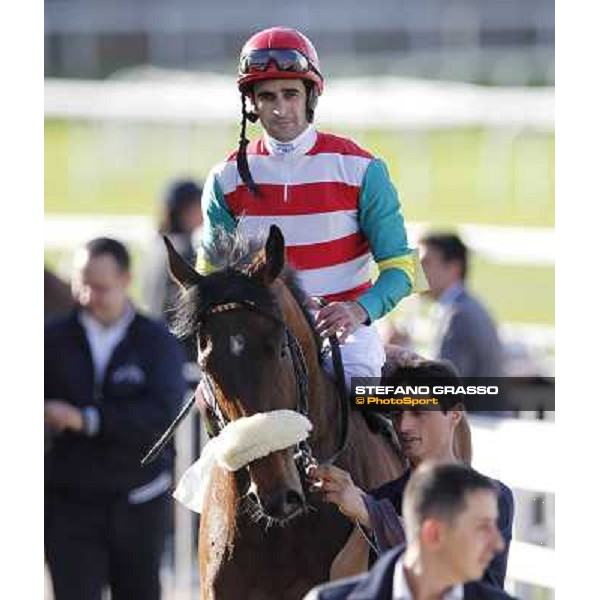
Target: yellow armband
{"x": 411, "y": 265}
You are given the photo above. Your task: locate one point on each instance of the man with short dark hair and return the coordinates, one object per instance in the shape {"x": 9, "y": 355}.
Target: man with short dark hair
{"x": 424, "y": 435}
{"x": 467, "y": 334}
{"x": 112, "y": 383}
{"x": 450, "y": 514}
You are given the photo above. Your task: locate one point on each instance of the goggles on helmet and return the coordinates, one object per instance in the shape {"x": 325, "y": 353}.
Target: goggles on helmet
{"x": 285, "y": 59}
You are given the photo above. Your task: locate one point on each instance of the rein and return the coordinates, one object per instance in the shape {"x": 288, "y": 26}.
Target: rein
{"x": 215, "y": 420}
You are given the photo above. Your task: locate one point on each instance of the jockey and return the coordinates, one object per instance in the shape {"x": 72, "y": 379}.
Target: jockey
{"x": 332, "y": 199}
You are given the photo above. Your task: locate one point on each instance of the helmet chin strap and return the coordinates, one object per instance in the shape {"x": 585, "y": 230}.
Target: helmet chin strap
{"x": 312, "y": 97}
{"x": 242, "y": 157}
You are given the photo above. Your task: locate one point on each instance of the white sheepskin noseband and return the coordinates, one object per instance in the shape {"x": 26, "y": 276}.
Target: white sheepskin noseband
{"x": 238, "y": 444}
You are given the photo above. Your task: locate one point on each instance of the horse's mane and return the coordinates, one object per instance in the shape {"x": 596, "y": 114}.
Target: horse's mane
{"x": 290, "y": 278}
{"x": 232, "y": 256}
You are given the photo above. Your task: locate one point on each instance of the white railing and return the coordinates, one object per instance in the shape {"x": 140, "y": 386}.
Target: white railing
{"x": 522, "y": 454}
{"x": 496, "y": 243}
{"x": 407, "y": 103}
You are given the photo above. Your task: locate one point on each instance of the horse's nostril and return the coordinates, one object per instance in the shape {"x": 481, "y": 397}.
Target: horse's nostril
{"x": 283, "y": 504}
{"x": 253, "y": 497}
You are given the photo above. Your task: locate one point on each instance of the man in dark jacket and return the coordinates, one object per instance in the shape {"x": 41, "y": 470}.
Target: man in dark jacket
{"x": 113, "y": 383}
{"x": 424, "y": 435}
{"x": 450, "y": 514}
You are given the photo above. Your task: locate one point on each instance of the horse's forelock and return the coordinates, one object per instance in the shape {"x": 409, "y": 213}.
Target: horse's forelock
{"x": 233, "y": 254}
{"x": 233, "y": 249}
{"x": 230, "y": 285}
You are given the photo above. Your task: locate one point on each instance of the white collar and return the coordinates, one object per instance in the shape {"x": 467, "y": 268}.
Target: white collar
{"x": 91, "y": 324}
{"x": 296, "y": 147}
{"x": 103, "y": 339}
{"x": 401, "y": 590}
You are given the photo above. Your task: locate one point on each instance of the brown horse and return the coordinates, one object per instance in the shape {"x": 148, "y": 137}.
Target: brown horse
{"x": 263, "y": 535}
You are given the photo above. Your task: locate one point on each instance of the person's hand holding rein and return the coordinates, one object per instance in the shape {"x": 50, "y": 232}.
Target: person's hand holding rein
{"x": 337, "y": 488}
{"x": 341, "y": 318}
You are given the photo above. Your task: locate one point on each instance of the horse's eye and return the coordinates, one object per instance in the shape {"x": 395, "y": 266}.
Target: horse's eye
{"x": 202, "y": 342}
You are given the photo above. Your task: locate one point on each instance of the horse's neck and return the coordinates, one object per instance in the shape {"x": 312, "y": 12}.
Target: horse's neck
{"x": 324, "y": 410}
{"x": 322, "y": 395}
{"x": 368, "y": 457}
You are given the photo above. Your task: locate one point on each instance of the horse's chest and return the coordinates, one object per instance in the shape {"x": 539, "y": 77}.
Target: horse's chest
{"x": 282, "y": 563}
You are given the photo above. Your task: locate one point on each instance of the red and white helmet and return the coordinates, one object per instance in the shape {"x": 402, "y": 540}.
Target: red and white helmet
{"x": 275, "y": 53}
{"x": 279, "y": 53}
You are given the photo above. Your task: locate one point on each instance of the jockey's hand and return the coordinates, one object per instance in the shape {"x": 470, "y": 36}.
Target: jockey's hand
{"x": 337, "y": 488}
{"x": 61, "y": 416}
{"x": 341, "y": 318}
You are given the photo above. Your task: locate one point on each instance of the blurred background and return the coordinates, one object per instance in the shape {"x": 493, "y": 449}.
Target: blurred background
{"x": 457, "y": 96}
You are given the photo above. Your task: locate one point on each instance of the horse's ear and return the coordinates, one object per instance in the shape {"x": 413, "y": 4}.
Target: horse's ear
{"x": 181, "y": 272}
{"x": 272, "y": 258}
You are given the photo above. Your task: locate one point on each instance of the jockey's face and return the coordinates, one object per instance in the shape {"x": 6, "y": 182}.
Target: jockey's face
{"x": 281, "y": 107}
{"x": 100, "y": 286}
{"x": 427, "y": 434}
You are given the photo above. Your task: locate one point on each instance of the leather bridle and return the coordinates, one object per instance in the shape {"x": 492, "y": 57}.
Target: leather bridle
{"x": 214, "y": 418}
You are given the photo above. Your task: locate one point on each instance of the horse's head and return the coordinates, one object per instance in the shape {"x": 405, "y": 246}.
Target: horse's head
{"x": 247, "y": 352}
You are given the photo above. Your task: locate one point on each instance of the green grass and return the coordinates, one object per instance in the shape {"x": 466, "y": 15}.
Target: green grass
{"x": 519, "y": 294}
{"x": 121, "y": 168}
{"x": 444, "y": 177}
{"x": 471, "y": 175}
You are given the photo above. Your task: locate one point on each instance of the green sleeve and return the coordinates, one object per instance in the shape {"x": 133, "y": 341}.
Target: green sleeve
{"x": 381, "y": 220}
